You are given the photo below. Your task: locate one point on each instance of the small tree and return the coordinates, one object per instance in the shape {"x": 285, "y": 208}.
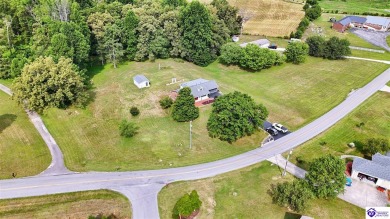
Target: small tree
{"x": 255, "y": 58}
{"x": 316, "y": 45}
{"x": 313, "y": 12}
{"x": 184, "y": 108}
{"x": 134, "y": 111}
{"x": 235, "y": 115}
{"x": 166, "y": 102}
{"x": 186, "y": 205}
{"x": 231, "y": 54}
{"x": 295, "y": 195}
{"x": 326, "y": 176}
{"x": 376, "y": 145}
{"x": 128, "y": 129}
{"x": 296, "y": 52}
{"x": 336, "y": 48}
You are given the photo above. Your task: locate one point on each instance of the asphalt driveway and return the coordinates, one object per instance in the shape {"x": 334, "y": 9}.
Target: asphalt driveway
{"x": 373, "y": 37}
{"x": 267, "y": 124}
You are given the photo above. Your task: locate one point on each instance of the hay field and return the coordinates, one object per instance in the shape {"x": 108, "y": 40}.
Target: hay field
{"x": 270, "y": 17}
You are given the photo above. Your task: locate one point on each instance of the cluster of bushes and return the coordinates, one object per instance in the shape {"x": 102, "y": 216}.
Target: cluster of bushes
{"x": 187, "y": 205}
{"x": 251, "y": 57}
{"x": 357, "y": 13}
{"x": 334, "y": 48}
{"x": 296, "y": 52}
{"x": 312, "y": 12}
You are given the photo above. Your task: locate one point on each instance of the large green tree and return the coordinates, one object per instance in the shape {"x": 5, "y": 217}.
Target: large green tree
{"x": 130, "y": 35}
{"x": 197, "y": 37}
{"x": 231, "y": 54}
{"x": 113, "y": 45}
{"x": 234, "y": 116}
{"x": 376, "y": 145}
{"x": 326, "y": 176}
{"x": 229, "y": 15}
{"x": 336, "y": 48}
{"x": 316, "y": 46}
{"x": 295, "y": 195}
{"x": 255, "y": 58}
{"x": 44, "y": 83}
{"x": 184, "y": 108}
{"x": 296, "y": 52}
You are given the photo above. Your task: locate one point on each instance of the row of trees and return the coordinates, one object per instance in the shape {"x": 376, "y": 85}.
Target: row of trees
{"x": 324, "y": 179}
{"x": 88, "y": 31}
{"x": 333, "y": 48}
{"x": 312, "y": 12}
{"x": 250, "y": 57}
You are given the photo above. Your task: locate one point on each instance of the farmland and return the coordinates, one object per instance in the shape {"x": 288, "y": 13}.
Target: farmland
{"x": 357, "y": 6}
{"x": 270, "y": 17}
{"x": 70, "y": 205}
{"x": 293, "y": 94}
{"x": 244, "y": 194}
{"x": 22, "y": 149}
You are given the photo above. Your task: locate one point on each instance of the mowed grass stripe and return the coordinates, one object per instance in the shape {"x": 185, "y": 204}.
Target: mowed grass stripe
{"x": 22, "y": 149}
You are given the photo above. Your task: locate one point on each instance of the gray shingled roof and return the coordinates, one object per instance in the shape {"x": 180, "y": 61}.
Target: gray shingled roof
{"x": 201, "y": 87}
{"x": 379, "y": 167}
{"x": 140, "y": 78}
{"x": 378, "y": 20}
{"x": 259, "y": 42}
{"x": 349, "y": 19}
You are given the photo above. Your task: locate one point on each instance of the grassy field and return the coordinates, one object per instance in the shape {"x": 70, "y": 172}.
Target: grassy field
{"x": 294, "y": 95}
{"x": 22, "y": 149}
{"x": 244, "y": 194}
{"x": 388, "y": 40}
{"x": 371, "y": 55}
{"x": 70, "y": 205}
{"x": 359, "y": 6}
{"x": 374, "y": 113}
{"x": 249, "y": 38}
{"x": 270, "y": 17}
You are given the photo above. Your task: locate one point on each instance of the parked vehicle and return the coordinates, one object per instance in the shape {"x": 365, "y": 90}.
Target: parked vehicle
{"x": 280, "y": 127}
{"x": 273, "y": 46}
{"x": 271, "y": 131}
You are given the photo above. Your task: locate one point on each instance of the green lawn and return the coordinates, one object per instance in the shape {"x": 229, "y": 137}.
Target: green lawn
{"x": 244, "y": 194}
{"x": 359, "y": 6}
{"x": 294, "y": 95}
{"x": 69, "y": 205}
{"x": 388, "y": 40}
{"x": 374, "y": 113}
{"x": 22, "y": 149}
{"x": 249, "y": 38}
{"x": 7, "y": 82}
{"x": 372, "y": 55}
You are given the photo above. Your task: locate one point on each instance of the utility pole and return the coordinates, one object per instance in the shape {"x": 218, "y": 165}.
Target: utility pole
{"x": 190, "y": 134}
{"x": 285, "y": 167}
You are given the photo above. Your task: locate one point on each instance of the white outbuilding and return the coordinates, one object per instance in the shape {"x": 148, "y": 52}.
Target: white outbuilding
{"x": 141, "y": 81}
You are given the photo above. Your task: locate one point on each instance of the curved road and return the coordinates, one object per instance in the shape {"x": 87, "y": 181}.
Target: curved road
{"x": 141, "y": 187}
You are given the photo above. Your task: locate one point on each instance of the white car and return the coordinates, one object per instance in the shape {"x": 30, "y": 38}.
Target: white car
{"x": 280, "y": 127}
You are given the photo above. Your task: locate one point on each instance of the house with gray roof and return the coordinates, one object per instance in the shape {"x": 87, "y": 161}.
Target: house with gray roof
{"x": 369, "y": 22}
{"x": 141, "y": 81}
{"x": 377, "y": 23}
{"x": 262, "y": 43}
{"x": 202, "y": 89}
{"x": 378, "y": 169}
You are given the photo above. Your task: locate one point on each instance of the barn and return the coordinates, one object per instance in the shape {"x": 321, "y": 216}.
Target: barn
{"x": 141, "y": 81}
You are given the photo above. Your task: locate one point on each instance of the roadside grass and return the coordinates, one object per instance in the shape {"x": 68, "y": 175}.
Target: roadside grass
{"x": 22, "y": 149}
{"x": 7, "y": 82}
{"x": 293, "y": 94}
{"x": 244, "y": 193}
{"x": 328, "y": 32}
{"x": 371, "y": 55}
{"x": 357, "y": 6}
{"x": 69, "y": 205}
{"x": 270, "y": 17}
{"x": 373, "y": 114}
{"x": 388, "y": 40}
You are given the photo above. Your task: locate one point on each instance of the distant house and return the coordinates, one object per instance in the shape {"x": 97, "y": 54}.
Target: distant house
{"x": 377, "y": 23}
{"x": 262, "y": 43}
{"x": 349, "y": 21}
{"x": 141, "y": 81}
{"x": 377, "y": 170}
{"x": 370, "y": 23}
{"x": 202, "y": 89}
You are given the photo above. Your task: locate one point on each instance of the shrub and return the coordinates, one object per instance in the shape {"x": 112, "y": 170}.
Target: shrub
{"x": 166, "y": 102}
{"x": 316, "y": 46}
{"x": 127, "y": 129}
{"x": 134, "y": 111}
{"x": 186, "y": 205}
{"x": 230, "y": 54}
{"x": 296, "y": 52}
{"x": 255, "y": 58}
{"x": 295, "y": 195}
{"x": 184, "y": 108}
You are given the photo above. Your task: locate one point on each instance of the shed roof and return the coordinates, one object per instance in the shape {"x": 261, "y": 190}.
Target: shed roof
{"x": 259, "y": 42}
{"x": 201, "y": 87}
{"x": 349, "y": 19}
{"x": 140, "y": 78}
{"x": 378, "y": 20}
{"x": 378, "y": 167}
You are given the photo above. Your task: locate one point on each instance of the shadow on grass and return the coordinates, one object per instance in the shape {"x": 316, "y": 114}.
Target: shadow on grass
{"x": 6, "y": 120}
{"x": 289, "y": 215}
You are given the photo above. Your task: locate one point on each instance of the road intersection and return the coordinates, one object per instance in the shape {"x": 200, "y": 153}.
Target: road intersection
{"x": 142, "y": 187}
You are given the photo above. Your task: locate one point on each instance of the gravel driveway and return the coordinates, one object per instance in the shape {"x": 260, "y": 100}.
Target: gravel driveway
{"x": 373, "y": 37}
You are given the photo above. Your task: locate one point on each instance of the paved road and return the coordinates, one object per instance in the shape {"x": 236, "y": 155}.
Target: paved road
{"x": 371, "y": 60}
{"x": 376, "y": 38}
{"x": 57, "y": 165}
{"x": 148, "y": 182}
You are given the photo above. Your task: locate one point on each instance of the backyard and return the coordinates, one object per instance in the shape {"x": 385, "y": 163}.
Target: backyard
{"x": 22, "y": 150}
{"x": 369, "y": 120}
{"x": 244, "y": 193}
{"x": 357, "y": 6}
{"x": 293, "y": 94}
{"x": 70, "y": 205}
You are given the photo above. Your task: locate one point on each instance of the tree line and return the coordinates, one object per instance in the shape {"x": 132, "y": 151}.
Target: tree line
{"x": 90, "y": 31}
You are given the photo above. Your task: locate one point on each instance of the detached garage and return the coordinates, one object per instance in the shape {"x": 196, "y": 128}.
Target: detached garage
{"x": 141, "y": 81}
